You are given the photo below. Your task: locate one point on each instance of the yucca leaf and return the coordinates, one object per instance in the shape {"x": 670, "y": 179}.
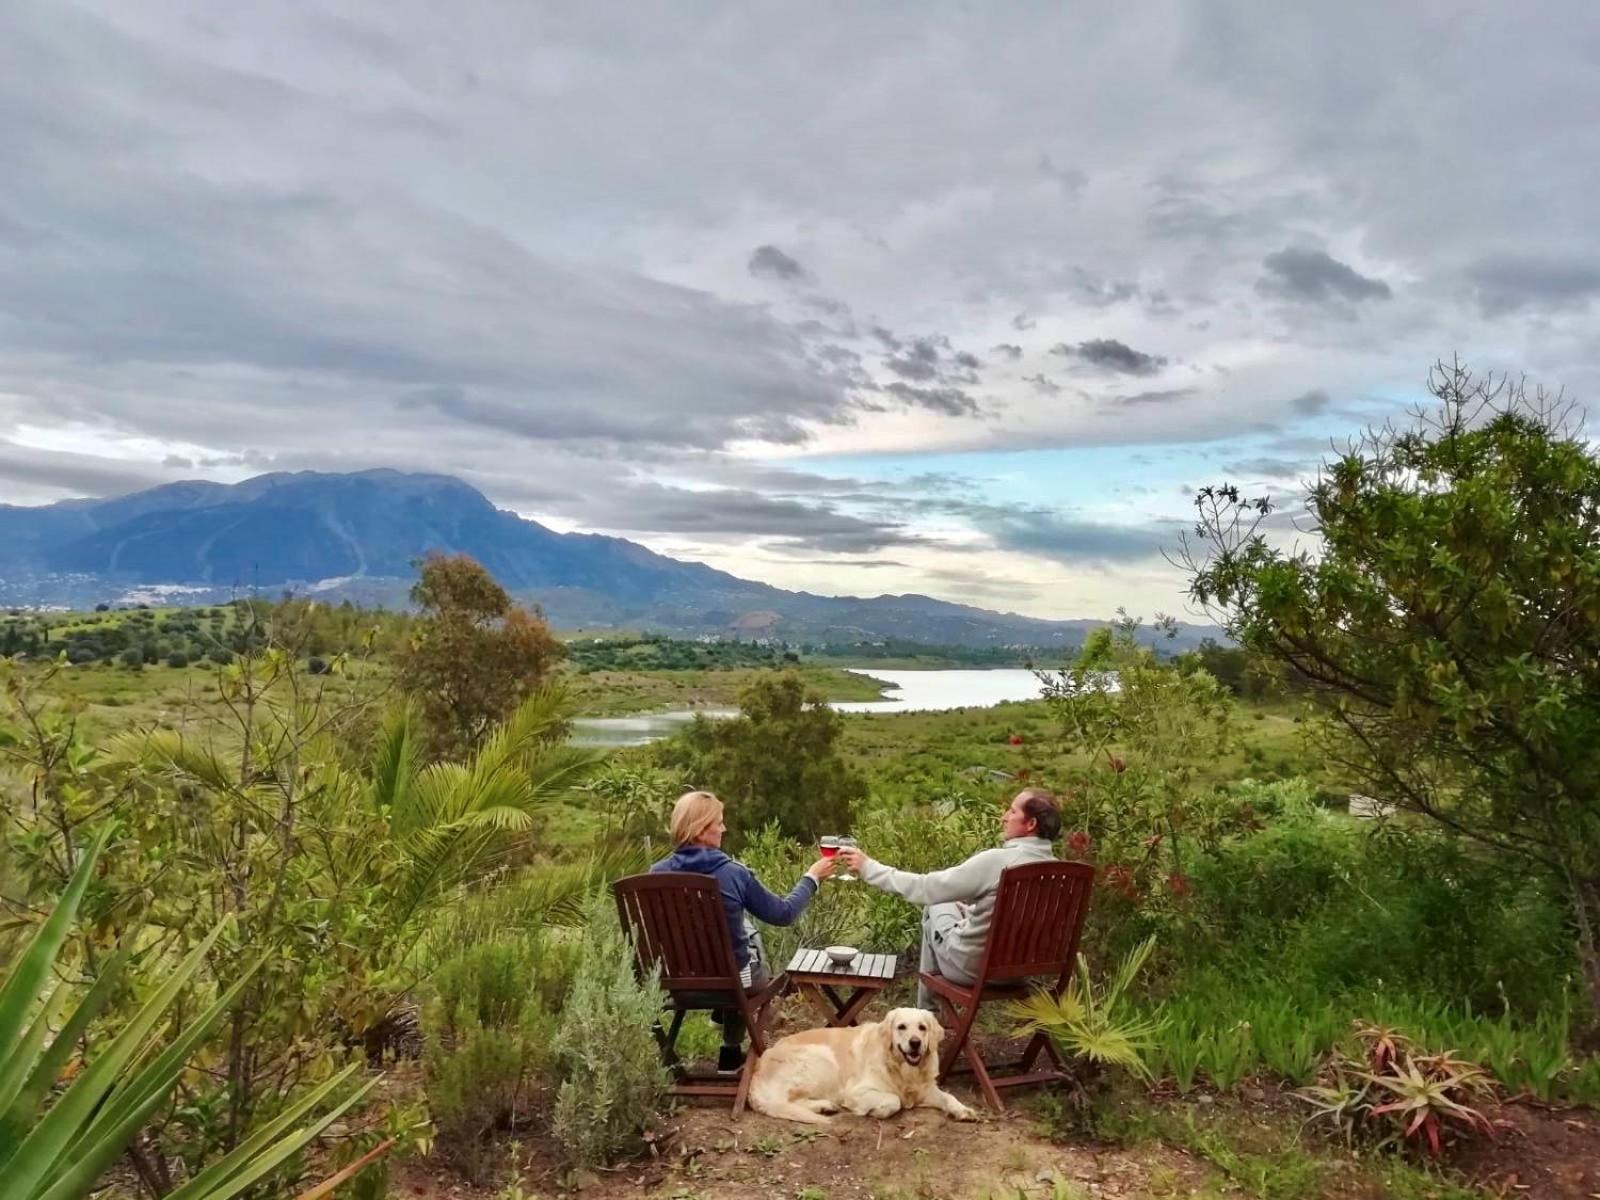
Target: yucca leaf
{"x": 220, "y": 1171}
{"x": 50, "y": 1066}
{"x": 269, "y": 1160}
{"x": 156, "y": 1077}
{"x": 19, "y": 1064}
{"x": 36, "y": 1157}
{"x": 32, "y": 971}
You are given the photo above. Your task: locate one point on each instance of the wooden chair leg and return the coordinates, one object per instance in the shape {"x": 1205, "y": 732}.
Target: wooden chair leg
{"x": 963, "y": 1027}
{"x": 1039, "y": 1042}
{"x": 746, "y": 1074}
{"x": 985, "y": 1084}
{"x": 668, "y": 1041}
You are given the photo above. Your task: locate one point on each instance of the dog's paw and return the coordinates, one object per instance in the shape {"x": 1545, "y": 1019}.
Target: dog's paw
{"x": 883, "y": 1109}
{"x": 961, "y": 1112}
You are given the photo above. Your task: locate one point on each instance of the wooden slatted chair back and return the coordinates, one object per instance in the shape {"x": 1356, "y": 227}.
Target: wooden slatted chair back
{"x": 1038, "y": 917}
{"x": 675, "y": 918}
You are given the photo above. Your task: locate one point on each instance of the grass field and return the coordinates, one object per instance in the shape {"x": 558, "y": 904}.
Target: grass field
{"x": 910, "y": 749}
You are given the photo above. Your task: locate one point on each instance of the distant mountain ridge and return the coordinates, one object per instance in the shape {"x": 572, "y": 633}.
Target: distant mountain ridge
{"x": 357, "y": 536}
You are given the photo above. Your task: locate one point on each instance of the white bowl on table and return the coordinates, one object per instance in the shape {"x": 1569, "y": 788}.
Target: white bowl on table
{"x": 842, "y": 956}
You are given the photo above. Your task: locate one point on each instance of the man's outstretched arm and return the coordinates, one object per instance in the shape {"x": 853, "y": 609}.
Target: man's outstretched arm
{"x": 964, "y": 881}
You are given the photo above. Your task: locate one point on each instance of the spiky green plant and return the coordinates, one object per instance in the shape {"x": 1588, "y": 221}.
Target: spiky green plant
{"x": 56, "y": 1146}
{"x": 1095, "y": 1022}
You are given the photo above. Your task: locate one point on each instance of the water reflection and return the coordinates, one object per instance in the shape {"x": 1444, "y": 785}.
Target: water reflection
{"x": 912, "y": 691}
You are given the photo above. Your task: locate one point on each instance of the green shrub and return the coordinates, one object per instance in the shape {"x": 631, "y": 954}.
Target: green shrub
{"x": 487, "y": 1033}
{"x": 177, "y": 659}
{"x": 613, "y": 1083}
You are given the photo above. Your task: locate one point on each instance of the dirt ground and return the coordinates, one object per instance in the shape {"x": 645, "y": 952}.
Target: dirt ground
{"x": 701, "y": 1153}
{"x": 1539, "y": 1150}
{"x": 705, "y": 1155}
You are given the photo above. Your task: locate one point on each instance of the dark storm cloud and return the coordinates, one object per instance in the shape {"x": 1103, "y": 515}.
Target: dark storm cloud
{"x": 771, "y": 263}
{"x": 1008, "y": 350}
{"x": 1111, "y": 355}
{"x": 1314, "y": 276}
{"x": 1042, "y": 384}
{"x": 1505, "y": 284}
{"x": 83, "y": 474}
{"x": 738, "y": 512}
{"x": 1169, "y": 396}
{"x": 1309, "y": 404}
{"x": 1068, "y": 538}
{"x": 908, "y": 367}
{"x": 948, "y": 401}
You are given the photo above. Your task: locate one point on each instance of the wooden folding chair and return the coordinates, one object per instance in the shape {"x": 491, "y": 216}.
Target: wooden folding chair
{"x": 675, "y": 920}
{"x": 1038, "y": 917}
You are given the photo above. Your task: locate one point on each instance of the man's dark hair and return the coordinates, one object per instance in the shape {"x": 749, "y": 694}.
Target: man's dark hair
{"x": 1045, "y": 810}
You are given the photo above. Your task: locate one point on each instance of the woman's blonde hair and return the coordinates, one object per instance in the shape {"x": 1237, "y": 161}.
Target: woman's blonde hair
{"x": 692, "y": 815}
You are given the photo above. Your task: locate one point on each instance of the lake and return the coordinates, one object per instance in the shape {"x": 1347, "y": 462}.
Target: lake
{"x": 913, "y": 691}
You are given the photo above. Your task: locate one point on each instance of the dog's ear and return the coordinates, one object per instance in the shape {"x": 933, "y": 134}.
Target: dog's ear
{"x": 935, "y": 1030}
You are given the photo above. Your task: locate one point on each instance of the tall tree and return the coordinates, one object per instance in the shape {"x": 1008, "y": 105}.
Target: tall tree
{"x": 474, "y": 655}
{"x": 777, "y": 761}
{"x": 1449, "y": 623}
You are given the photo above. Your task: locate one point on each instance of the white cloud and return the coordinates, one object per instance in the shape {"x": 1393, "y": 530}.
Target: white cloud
{"x": 590, "y": 260}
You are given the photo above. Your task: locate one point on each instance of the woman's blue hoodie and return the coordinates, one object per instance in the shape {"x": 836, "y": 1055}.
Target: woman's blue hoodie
{"x": 741, "y": 892}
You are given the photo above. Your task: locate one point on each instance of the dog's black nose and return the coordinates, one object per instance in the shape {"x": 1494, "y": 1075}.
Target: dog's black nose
{"x": 915, "y": 1044}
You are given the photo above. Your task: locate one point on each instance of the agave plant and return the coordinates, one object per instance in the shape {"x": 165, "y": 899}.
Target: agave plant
{"x": 54, "y": 1145}
{"x": 1089, "y": 1021}
{"x": 1423, "y": 1096}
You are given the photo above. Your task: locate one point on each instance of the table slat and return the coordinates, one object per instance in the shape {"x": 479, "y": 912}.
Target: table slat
{"x": 868, "y": 967}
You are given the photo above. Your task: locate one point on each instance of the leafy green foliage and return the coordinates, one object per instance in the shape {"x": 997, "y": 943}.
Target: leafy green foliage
{"x": 473, "y": 656}
{"x": 1142, "y": 813}
{"x": 487, "y": 1033}
{"x": 1450, "y": 625}
{"x": 55, "y": 1147}
{"x": 613, "y": 1083}
{"x": 777, "y": 761}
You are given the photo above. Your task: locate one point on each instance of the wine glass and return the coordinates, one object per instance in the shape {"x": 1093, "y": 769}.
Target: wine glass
{"x": 842, "y": 843}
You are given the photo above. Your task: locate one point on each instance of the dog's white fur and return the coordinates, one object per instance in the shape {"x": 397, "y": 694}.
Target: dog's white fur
{"x": 871, "y": 1070}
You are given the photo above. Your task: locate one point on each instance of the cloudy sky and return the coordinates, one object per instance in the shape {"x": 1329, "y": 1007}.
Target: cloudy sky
{"x": 957, "y": 299}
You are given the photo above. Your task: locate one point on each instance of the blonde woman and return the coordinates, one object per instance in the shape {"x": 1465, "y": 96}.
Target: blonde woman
{"x": 697, "y": 829}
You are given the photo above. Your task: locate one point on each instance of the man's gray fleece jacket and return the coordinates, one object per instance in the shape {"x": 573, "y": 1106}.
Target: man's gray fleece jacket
{"x": 973, "y": 883}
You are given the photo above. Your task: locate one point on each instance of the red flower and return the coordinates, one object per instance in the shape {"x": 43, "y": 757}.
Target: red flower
{"x": 1117, "y": 763}
{"x": 1119, "y": 879}
{"x": 1079, "y": 843}
{"x": 1178, "y": 883}
{"x": 1016, "y": 739}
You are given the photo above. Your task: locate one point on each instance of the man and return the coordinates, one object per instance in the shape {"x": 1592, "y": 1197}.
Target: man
{"x": 958, "y": 902}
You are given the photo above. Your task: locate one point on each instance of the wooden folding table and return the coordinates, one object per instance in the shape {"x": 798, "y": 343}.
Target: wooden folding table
{"x": 817, "y": 976}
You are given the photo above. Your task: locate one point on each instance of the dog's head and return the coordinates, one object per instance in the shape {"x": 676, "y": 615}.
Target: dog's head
{"x": 913, "y": 1035}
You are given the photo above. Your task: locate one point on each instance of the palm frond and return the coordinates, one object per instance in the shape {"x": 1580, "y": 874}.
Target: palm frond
{"x": 169, "y": 752}
{"x": 540, "y": 721}
{"x": 396, "y": 759}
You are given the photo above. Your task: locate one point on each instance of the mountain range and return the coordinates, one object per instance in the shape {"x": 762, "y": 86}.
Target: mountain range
{"x": 357, "y": 536}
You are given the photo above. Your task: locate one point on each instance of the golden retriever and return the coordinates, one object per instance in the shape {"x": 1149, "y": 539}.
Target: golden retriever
{"x": 870, "y": 1070}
